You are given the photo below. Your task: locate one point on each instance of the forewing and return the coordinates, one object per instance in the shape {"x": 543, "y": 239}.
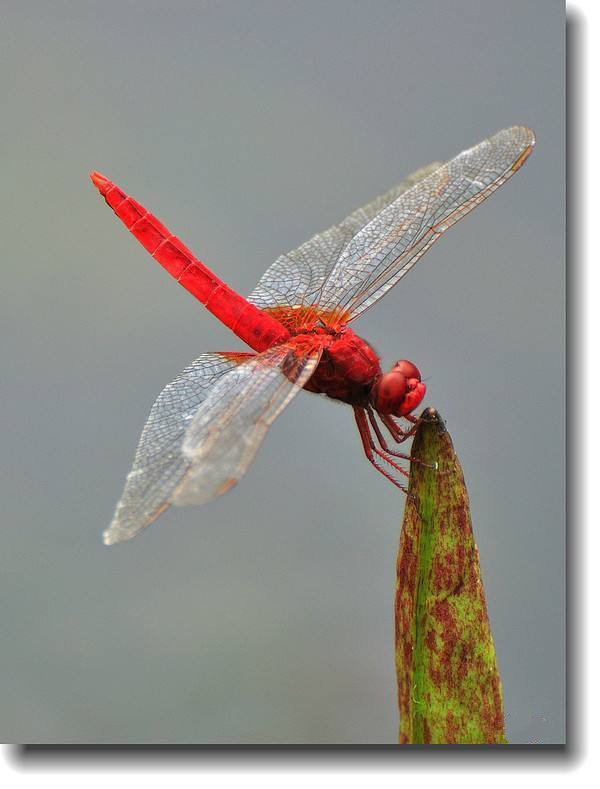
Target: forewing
{"x": 204, "y": 430}
{"x": 223, "y": 437}
{"x": 298, "y": 276}
{"x": 385, "y": 249}
{"x": 159, "y": 465}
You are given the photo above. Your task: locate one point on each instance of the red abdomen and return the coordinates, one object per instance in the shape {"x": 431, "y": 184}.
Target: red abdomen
{"x": 252, "y": 325}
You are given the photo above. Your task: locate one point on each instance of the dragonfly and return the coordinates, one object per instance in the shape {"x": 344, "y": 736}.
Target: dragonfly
{"x": 205, "y": 427}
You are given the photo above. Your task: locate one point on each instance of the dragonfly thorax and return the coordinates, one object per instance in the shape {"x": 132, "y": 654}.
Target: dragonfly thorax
{"x": 347, "y": 370}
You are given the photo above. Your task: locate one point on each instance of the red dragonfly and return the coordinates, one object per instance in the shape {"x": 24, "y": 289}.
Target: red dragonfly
{"x": 206, "y": 426}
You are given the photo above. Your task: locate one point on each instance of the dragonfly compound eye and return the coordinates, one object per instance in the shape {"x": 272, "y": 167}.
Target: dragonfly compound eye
{"x": 413, "y": 397}
{"x": 408, "y": 369}
{"x": 388, "y": 393}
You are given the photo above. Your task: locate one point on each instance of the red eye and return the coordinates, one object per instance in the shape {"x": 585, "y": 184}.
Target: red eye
{"x": 408, "y": 369}
{"x": 393, "y": 385}
{"x": 389, "y": 392}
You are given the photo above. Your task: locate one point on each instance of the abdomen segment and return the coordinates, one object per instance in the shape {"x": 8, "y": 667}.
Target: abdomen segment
{"x": 255, "y": 327}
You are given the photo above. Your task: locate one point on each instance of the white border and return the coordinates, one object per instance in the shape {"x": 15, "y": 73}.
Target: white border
{"x": 456, "y": 767}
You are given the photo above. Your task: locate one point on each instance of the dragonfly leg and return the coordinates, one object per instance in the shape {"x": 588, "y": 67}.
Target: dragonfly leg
{"x": 371, "y": 450}
{"x": 398, "y": 434}
{"x": 414, "y": 419}
{"x": 383, "y": 443}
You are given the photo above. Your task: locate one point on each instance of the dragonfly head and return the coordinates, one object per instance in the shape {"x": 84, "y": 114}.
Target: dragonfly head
{"x": 398, "y": 392}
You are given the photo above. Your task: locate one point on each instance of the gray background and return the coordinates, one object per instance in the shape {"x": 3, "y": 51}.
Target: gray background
{"x": 266, "y": 616}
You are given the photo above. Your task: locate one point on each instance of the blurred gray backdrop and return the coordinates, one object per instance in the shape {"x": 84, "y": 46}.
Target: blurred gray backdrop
{"x": 266, "y": 616}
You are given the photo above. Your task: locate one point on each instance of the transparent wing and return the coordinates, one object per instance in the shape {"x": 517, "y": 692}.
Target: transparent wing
{"x": 298, "y": 276}
{"x": 225, "y": 434}
{"x": 159, "y": 466}
{"x": 204, "y": 430}
{"x": 391, "y": 243}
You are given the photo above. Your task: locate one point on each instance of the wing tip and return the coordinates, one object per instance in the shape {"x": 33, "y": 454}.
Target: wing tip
{"x": 518, "y": 127}
{"x": 111, "y": 536}
{"x": 526, "y": 142}
{"x": 525, "y": 153}
{"x": 530, "y": 135}
{"x": 117, "y": 532}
